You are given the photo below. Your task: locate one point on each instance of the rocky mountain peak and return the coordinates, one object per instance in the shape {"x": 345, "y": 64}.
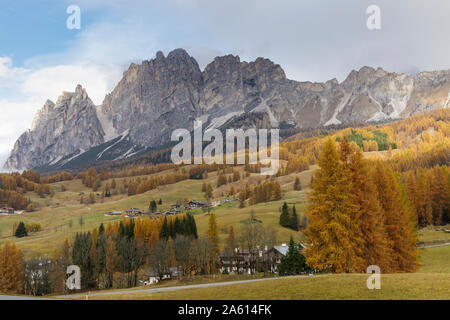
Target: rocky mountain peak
{"x": 160, "y": 55}
{"x": 58, "y": 129}
{"x": 168, "y": 92}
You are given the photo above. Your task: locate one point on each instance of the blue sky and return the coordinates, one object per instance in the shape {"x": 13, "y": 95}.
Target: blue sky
{"x": 313, "y": 40}
{"x": 31, "y": 28}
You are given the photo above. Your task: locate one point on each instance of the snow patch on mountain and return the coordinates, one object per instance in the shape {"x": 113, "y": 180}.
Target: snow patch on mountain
{"x": 124, "y": 135}
{"x": 379, "y": 116}
{"x": 339, "y": 108}
{"x": 448, "y": 100}
{"x": 263, "y": 107}
{"x": 127, "y": 154}
{"x": 220, "y": 121}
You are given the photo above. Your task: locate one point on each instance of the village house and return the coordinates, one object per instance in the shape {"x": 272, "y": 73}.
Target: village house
{"x": 278, "y": 252}
{"x": 7, "y": 210}
{"x": 240, "y": 262}
{"x": 216, "y": 203}
{"x": 194, "y": 204}
{"x": 172, "y": 273}
{"x": 114, "y": 213}
{"x": 132, "y": 212}
{"x": 177, "y": 207}
{"x": 236, "y": 262}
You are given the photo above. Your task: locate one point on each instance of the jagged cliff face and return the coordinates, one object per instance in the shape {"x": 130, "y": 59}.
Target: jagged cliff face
{"x": 58, "y": 129}
{"x": 155, "y": 97}
{"x": 166, "y": 93}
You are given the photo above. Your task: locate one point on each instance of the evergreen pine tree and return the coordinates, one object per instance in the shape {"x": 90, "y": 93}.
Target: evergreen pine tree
{"x": 284, "y": 216}
{"x": 192, "y": 226}
{"x": 153, "y": 206}
{"x": 297, "y": 184}
{"x": 101, "y": 229}
{"x": 294, "y": 219}
{"x": 164, "y": 233}
{"x": 21, "y": 230}
{"x": 294, "y": 262}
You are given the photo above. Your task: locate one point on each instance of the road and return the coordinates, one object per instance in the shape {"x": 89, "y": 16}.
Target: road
{"x": 435, "y": 245}
{"x": 204, "y": 285}
{"x": 5, "y": 297}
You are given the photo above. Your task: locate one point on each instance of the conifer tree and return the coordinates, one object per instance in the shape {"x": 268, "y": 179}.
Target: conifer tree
{"x": 242, "y": 198}
{"x": 110, "y": 262}
{"x": 297, "y": 184}
{"x": 277, "y": 191}
{"x": 376, "y": 249}
{"x": 21, "y": 230}
{"x": 294, "y": 262}
{"x": 294, "y": 219}
{"x": 192, "y": 225}
{"x": 284, "y": 216}
{"x": 399, "y": 224}
{"x": 231, "y": 240}
{"x": 153, "y": 206}
{"x": 212, "y": 232}
{"x": 101, "y": 229}
{"x": 164, "y": 233}
{"x": 333, "y": 232}
{"x": 170, "y": 254}
{"x": 208, "y": 192}
{"x": 11, "y": 268}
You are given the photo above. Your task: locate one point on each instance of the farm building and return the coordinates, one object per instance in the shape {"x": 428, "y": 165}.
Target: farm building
{"x": 114, "y": 213}
{"x": 7, "y": 210}
{"x": 133, "y": 212}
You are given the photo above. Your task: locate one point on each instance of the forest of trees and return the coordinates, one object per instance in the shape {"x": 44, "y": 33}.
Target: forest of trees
{"x": 14, "y": 185}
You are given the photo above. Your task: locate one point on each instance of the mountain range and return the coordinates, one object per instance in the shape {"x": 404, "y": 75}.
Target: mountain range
{"x": 168, "y": 92}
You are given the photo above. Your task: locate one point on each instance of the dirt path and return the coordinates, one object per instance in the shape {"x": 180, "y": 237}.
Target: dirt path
{"x": 204, "y": 285}
{"x": 435, "y": 245}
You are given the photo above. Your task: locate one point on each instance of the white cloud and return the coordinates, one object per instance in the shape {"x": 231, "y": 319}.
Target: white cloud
{"x": 95, "y": 60}
{"x": 10, "y": 76}
{"x": 52, "y": 81}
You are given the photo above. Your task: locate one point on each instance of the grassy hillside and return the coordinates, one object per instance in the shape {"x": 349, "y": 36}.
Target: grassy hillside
{"x": 60, "y": 215}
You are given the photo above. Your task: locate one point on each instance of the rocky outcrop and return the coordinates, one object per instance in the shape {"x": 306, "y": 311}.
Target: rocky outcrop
{"x": 58, "y": 129}
{"x": 165, "y": 93}
{"x": 155, "y": 97}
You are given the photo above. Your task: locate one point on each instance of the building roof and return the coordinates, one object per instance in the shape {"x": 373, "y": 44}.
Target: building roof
{"x": 282, "y": 249}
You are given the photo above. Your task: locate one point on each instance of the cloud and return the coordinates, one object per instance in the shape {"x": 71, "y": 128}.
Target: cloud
{"x": 51, "y": 82}
{"x": 10, "y": 76}
{"x": 95, "y": 60}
